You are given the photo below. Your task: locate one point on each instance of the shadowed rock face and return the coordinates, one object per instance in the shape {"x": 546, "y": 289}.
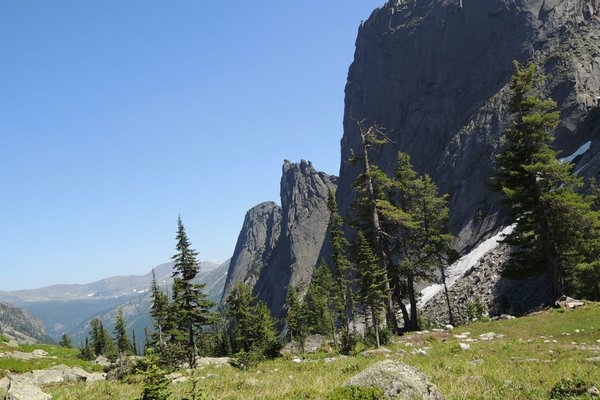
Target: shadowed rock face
{"x": 255, "y": 245}
{"x": 435, "y": 74}
{"x": 278, "y": 246}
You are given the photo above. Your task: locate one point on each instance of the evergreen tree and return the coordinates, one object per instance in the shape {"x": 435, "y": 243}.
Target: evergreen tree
{"x": 370, "y": 185}
{"x": 555, "y": 224}
{"x": 250, "y": 322}
{"x": 295, "y": 318}
{"x": 190, "y": 307}
{"x": 342, "y": 270}
{"x": 417, "y": 218}
{"x": 136, "y": 351}
{"x": 101, "y": 342}
{"x": 159, "y": 311}
{"x": 239, "y": 312}
{"x": 320, "y": 303}
{"x": 372, "y": 285}
{"x": 121, "y": 339}
{"x": 156, "y": 384}
{"x": 65, "y": 341}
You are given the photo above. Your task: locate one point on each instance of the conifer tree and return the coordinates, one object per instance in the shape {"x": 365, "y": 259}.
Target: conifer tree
{"x": 190, "y": 307}
{"x": 555, "y": 224}
{"x": 320, "y": 303}
{"x": 121, "y": 339}
{"x": 418, "y": 219}
{"x": 251, "y": 325}
{"x": 66, "y": 341}
{"x": 295, "y": 317}
{"x": 101, "y": 342}
{"x": 159, "y": 311}
{"x": 342, "y": 270}
{"x": 156, "y": 384}
{"x": 368, "y": 186}
{"x": 372, "y": 282}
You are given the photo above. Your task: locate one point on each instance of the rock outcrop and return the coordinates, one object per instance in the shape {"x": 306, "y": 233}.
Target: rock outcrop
{"x": 397, "y": 381}
{"x": 434, "y": 74}
{"x": 255, "y": 245}
{"x": 279, "y": 246}
{"x": 21, "y": 325}
{"x": 484, "y": 291}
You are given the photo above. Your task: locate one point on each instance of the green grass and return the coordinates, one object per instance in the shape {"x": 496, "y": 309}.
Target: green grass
{"x": 56, "y": 355}
{"x": 537, "y": 353}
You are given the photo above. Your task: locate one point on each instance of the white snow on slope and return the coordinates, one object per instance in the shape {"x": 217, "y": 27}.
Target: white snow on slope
{"x": 580, "y": 151}
{"x": 459, "y": 268}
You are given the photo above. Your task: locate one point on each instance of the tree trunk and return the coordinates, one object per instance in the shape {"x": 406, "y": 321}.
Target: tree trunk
{"x": 447, "y": 295}
{"x": 551, "y": 260}
{"x": 414, "y": 323}
{"x": 377, "y": 234}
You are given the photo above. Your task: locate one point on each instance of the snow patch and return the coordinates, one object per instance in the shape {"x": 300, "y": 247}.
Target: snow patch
{"x": 580, "y": 151}
{"x": 460, "y": 267}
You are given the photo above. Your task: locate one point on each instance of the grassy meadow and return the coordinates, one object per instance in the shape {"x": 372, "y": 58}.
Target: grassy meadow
{"x": 525, "y": 359}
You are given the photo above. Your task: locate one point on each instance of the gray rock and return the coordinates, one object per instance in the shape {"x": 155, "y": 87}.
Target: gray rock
{"x": 435, "y": 75}
{"x": 255, "y": 245}
{"x": 25, "y": 391}
{"x": 398, "y": 381}
{"x": 278, "y": 247}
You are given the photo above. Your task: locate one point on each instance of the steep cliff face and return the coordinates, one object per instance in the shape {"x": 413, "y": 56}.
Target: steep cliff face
{"x": 435, "y": 73}
{"x": 280, "y": 246}
{"x": 255, "y": 245}
{"x": 19, "y": 324}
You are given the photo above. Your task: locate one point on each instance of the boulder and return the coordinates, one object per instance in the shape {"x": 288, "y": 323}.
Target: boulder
{"x": 25, "y": 391}
{"x": 398, "y": 381}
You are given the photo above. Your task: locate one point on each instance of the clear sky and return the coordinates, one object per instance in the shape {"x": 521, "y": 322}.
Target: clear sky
{"x": 118, "y": 116}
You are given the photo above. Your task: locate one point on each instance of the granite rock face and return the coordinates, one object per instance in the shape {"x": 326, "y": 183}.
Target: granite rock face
{"x": 279, "y": 246}
{"x": 435, "y": 73}
{"x": 255, "y": 245}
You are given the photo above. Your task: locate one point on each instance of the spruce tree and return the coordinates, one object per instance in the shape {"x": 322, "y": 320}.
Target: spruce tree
{"x": 343, "y": 274}
{"x": 372, "y": 282}
{"x": 420, "y": 241}
{"x": 120, "y": 331}
{"x": 555, "y": 223}
{"x": 320, "y": 302}
{"x": 66, "y": 341}
{"x": 295, "y": 318}
{"x": 190, "y": 307}
{"x": 369, "y": 185}
{"x": 159, "y": 311}
{"x": 250, "y": 322}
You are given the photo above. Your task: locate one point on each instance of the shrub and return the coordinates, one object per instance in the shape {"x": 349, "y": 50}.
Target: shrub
{"x": 575, "y": 388}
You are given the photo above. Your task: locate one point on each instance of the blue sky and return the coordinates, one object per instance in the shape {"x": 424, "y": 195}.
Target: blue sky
{"x": 118, "y": 116}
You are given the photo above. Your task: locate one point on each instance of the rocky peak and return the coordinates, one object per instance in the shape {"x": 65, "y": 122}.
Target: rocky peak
{"x": 255, "y": 245}
{"x": 273, "y": 256}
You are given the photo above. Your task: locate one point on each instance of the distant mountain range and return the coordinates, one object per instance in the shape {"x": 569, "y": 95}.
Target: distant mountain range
{"x": 69, "y": 308}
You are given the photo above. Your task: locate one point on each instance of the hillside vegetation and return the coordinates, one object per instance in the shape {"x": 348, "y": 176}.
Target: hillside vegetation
{"x": 524, "y": 358}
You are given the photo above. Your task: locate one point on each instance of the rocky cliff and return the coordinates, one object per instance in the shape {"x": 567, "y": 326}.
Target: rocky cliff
{"x": 19, "y": 324}
{"x": 279, "y": 246}
{"x": 434, "y": 74}
{"x": 255, "y": 245}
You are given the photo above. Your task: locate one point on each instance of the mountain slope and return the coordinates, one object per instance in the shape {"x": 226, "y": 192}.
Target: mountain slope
{"x": 21, "y": 325}
{"x": 69, "y": 308}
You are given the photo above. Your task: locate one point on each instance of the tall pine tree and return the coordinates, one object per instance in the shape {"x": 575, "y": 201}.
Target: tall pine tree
{"x": 190, "y": 307}
{"x": 555, "y": 223}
